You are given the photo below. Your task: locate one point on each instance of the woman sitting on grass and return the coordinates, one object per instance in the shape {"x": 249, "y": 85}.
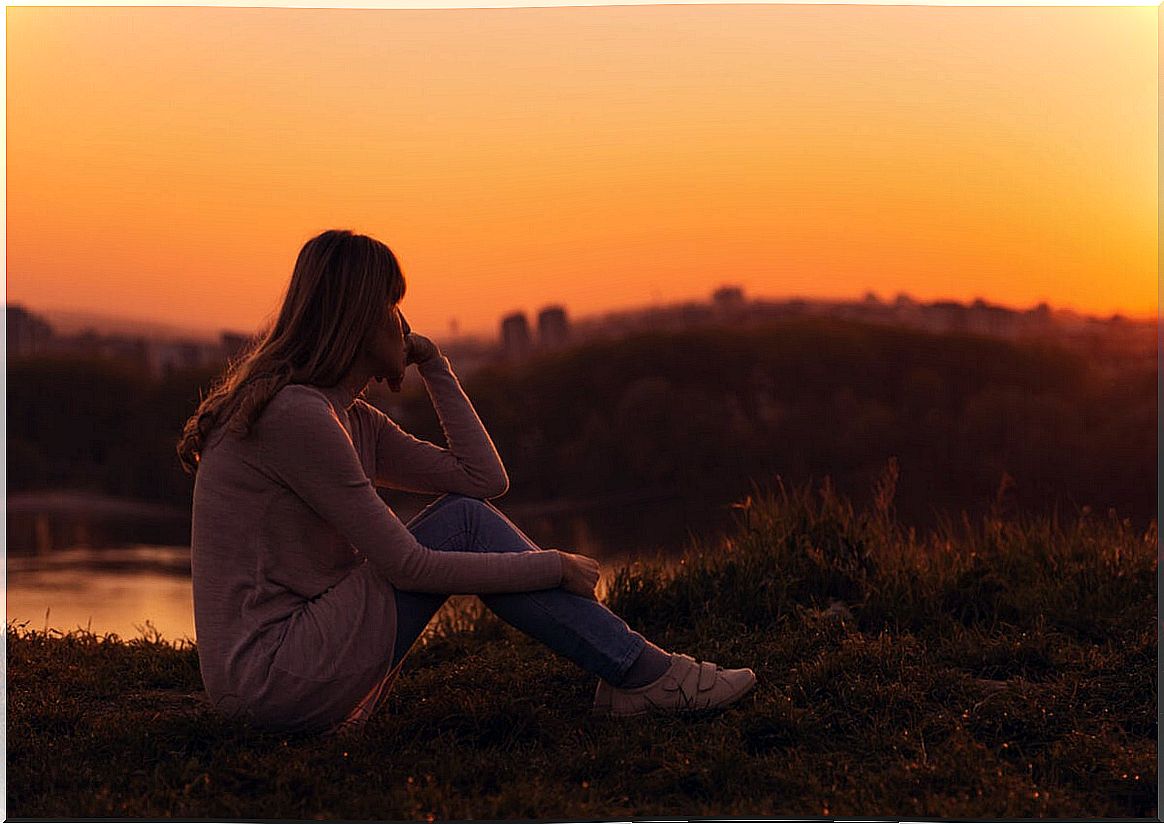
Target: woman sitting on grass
{"x": 308, "y": 590}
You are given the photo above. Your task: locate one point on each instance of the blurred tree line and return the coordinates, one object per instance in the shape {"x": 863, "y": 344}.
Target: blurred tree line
{"x": 706, "y": 410}
{"x": 99, "y": 425}
{"x": 703, "y": 411}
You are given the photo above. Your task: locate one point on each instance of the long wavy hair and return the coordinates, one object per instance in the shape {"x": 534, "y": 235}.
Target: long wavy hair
{"x": 341, "y": 287}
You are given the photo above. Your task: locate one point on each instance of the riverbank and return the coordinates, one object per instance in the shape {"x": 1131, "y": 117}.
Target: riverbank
{"x": 996, "y": 670}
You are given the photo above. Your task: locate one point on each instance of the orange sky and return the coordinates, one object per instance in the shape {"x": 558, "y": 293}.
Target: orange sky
{"x": 168, "y": 163}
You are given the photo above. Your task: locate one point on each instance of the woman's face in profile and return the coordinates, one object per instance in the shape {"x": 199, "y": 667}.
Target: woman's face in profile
{"x": 388, "y": 348}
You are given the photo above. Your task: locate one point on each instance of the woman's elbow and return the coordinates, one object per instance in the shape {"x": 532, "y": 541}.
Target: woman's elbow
{"x": 492, "y": 485}
{"x": 496, "y": 489}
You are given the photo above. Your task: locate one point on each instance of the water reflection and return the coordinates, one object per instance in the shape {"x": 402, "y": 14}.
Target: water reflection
{"x": 123, "y": 591}
{"x": 116, "y": 577}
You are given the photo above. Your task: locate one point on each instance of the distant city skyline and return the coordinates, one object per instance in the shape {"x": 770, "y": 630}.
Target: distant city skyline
{"x": 1110, "y": 343}
{"x": 71, "y": 320}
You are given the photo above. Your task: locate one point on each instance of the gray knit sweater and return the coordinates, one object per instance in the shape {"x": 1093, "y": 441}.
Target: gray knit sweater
{"x": 295, "y": 557}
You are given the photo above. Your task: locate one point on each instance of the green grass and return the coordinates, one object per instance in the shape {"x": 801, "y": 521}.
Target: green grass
{"x": 1000, "y": 669}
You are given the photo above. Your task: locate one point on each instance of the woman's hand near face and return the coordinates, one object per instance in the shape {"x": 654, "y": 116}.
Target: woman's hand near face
{"x": 418, "y": 349}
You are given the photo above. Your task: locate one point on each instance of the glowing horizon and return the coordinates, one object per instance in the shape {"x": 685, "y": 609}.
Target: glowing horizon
{"x": 604, "y": 158}
{"x": 493, "y": 331}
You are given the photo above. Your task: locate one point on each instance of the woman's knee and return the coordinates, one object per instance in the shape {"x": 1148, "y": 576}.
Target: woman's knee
{"x": 456, "y": 511}
{"x": 455, "y": 498}
{"x": 470, "y": 505}
{"x": 446, "y": 500}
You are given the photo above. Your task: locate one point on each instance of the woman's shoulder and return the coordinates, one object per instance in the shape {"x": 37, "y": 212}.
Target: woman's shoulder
{"x": 295, "y": 401}
{"x": 366, "y": 408}
{"x": 293, "y": 408}
{"x": 298, "y": 394}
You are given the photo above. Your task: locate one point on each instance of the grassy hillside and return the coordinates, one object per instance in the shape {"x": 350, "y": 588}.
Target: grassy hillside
{"x": 987, "y": 670}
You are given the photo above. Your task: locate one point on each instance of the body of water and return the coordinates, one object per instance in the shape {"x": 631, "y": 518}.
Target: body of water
{"x": 130, "y": 591}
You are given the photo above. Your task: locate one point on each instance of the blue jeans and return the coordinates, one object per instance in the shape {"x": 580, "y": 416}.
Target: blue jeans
{"x": 579, "y": 628}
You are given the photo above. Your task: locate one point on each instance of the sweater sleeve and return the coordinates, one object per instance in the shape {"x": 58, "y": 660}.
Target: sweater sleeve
{"x": 469, "y": 466}
{"x": 307, "y": 449}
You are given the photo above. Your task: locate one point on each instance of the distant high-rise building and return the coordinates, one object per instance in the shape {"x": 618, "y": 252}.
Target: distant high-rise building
{"x": 1040, "y": 316}
{"x": 728, "y": 297}
{"x": 553, "y": 327}
{"x": 28, "y": 334}
{"x": 515, "y": 342}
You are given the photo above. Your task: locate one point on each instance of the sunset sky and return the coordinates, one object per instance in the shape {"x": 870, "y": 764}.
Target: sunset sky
{"x": 167, "y": 163}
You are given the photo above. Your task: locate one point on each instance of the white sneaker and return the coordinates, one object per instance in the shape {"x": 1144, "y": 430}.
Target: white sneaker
{"x": 687, "y": 685}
